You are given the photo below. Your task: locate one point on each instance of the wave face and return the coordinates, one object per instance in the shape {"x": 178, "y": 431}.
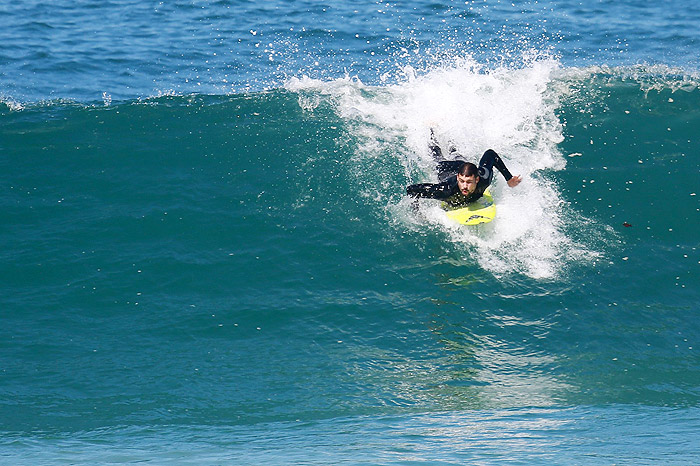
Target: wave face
{"x": 218, "y": 260}
{"x": 197, "y": 272}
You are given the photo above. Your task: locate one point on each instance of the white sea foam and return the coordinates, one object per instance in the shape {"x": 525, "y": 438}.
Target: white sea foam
{"x": 12, "y": 104}
{"x": 508, "y": 109}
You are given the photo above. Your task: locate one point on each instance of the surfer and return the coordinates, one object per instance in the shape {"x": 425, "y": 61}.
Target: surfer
{"x": 461, "y": 182}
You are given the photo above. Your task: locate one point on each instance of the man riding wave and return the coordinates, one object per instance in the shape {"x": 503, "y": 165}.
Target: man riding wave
{"x": 460, "y": 182}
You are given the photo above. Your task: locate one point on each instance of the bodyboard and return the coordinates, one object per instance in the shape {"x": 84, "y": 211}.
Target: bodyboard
{"x": 483, "y": 210}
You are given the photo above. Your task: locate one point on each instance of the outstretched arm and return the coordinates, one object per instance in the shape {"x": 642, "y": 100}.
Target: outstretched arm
{"x": 429, "y": 190}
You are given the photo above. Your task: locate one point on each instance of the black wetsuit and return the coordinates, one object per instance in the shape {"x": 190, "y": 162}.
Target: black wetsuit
{"x": 447, "y": 190}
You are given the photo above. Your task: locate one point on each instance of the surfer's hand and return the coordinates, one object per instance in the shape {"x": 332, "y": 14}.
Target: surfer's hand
{"x": 515, "y": 181}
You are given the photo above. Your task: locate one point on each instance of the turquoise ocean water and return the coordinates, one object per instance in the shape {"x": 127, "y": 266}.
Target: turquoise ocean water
{"x": 207, "y": 256}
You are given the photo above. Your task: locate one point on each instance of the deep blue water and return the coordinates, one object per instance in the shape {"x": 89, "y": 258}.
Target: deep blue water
{"x": 207, "y": 256}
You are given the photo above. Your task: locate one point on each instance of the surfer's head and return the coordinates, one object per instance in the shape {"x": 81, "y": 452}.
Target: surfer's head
{"x": 467, "y": 178}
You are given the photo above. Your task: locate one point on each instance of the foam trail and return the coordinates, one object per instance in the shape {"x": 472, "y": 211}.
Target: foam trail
{"x": 511, "y": 110}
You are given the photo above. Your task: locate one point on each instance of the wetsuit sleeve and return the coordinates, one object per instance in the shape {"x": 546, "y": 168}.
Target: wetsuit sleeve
{"x": 430, "y": 190}
{"x": 491, "y": 159}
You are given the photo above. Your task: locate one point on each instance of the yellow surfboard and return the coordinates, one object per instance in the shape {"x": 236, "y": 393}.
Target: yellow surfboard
{"x": 483, "y": 210}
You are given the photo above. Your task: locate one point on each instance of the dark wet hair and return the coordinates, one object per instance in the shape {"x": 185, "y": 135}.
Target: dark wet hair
{"x": 469, "y": 169}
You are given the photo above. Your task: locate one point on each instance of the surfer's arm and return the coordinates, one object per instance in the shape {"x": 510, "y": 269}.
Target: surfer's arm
{"x": 492, "y": 159}
{"x": 430, "y": 190}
